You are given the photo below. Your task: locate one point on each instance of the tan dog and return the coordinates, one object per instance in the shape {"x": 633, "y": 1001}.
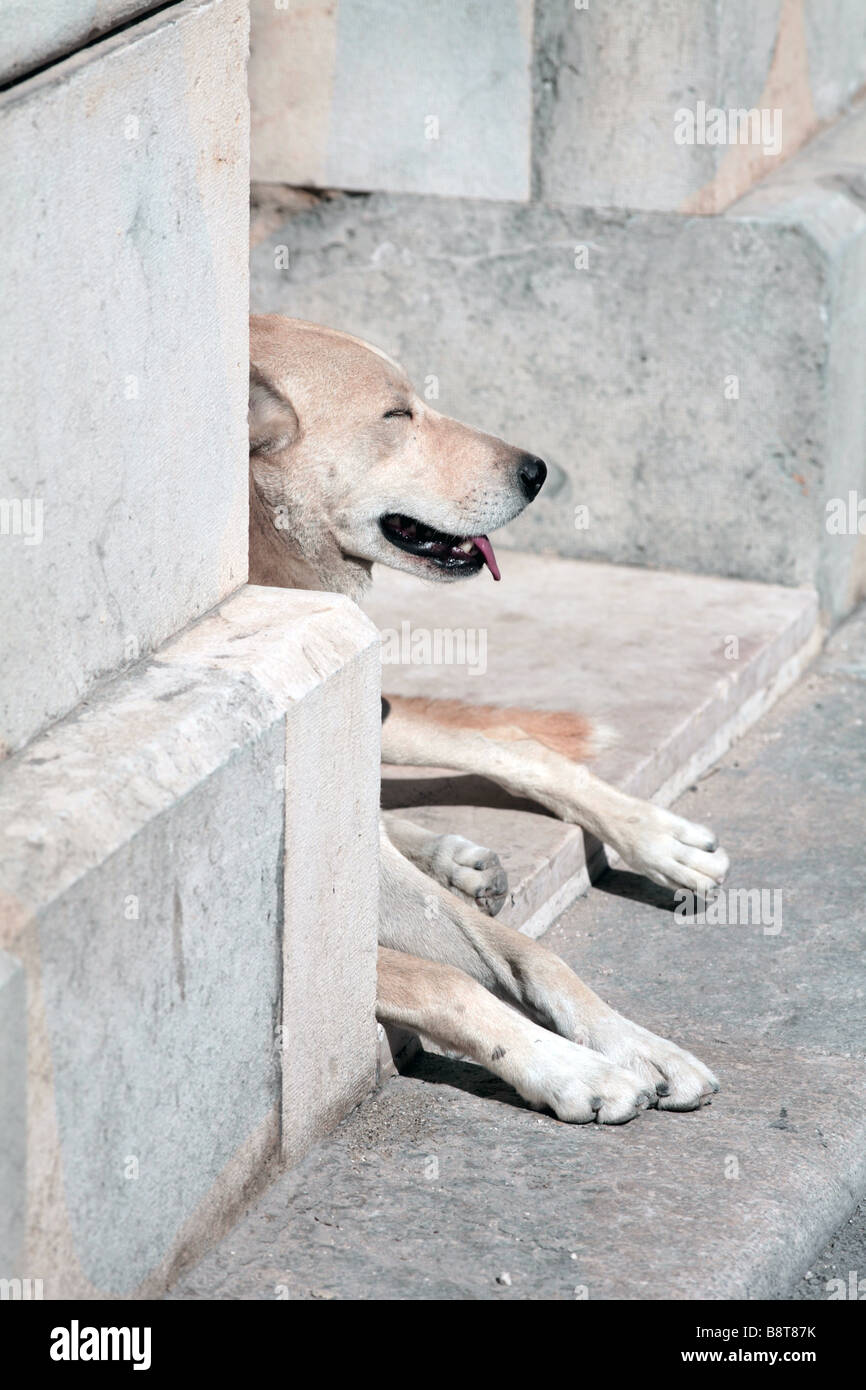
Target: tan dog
{"x": 349, "y": 466}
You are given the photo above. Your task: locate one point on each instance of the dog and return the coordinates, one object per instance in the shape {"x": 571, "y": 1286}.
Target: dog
{"x": 349, "y": 467}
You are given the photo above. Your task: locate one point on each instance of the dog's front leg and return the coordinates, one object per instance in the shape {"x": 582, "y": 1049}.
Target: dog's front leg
{"x": 470, "y": 870}
{"x": 421, "y": 918}
{"x": 446, "y": 1006}
{"x": 665, "y": 847}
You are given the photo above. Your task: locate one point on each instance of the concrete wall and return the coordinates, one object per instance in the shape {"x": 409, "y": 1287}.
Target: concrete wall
{"x": 421, "y": 96}
{"x": 123, "y": 474}
{"x": 609, "y": 80}
{"x": 164, "y": 867}
{"x": 342, "y": 91}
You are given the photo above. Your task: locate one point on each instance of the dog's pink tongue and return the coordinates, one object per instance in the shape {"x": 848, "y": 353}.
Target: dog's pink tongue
{"x": 483, "y": 544}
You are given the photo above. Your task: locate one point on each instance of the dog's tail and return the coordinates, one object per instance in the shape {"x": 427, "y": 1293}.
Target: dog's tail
{"x": 573, "y": 736}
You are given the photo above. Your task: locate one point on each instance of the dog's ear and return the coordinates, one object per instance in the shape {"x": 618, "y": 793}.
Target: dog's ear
{"x": 273, "y": 422}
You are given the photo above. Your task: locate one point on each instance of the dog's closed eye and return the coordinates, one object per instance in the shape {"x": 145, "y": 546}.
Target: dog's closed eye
{"x": 398, "y": 410}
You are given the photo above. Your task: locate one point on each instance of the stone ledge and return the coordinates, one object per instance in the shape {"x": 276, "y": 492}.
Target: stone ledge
{"x": 189, "y": 879}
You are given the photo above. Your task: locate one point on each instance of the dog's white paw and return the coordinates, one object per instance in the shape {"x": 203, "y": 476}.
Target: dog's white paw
{"x": 470, "y": 871}
{"x": 679, "y": 1080}
{"x": 669, "y": 849}
{"x": 579, "y": 1085}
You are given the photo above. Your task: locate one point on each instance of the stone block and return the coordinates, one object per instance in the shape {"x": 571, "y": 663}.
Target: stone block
{"x": 424, "y": 97}
{"x": 165, "y": 851}
{"x": 123, "y": 453}
{"x": 612, "y": 83}
{"x": 420, "y": 96}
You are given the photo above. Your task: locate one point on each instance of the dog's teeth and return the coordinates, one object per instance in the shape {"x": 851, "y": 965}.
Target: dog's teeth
{"x": 466, "y": 546}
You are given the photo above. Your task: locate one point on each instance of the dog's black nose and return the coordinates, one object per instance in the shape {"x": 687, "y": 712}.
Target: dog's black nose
{"x": 531, "y": 475}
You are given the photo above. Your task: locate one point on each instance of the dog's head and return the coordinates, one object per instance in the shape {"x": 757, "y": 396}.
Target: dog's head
{"x": 347, "y": 461}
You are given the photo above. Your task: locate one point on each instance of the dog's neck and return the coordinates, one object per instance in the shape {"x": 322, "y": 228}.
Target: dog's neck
{"x": 299, "y": 553}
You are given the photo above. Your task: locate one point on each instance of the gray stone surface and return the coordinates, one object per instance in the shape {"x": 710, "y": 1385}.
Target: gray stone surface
{"x": 123, "y": 449}
{"x": 343, "y": 90}
{"x": 672, "y": 666}
{"x": 161, "y": 883}
{"x": 41, "y": 33}
{"x": 836, "y": 49}
{"x": 162, "y": 1029}
{"x": 696, "y": 389}
{"x": 830, "y": 1275}
{"x": 331, "y": 896}
{"x": 13, "y": 1106}
{"x": 445, "y": 1183}
{"x": 346, "y": 95}
{"x": 609, "y": 80}
{"x": 788, "y": 803}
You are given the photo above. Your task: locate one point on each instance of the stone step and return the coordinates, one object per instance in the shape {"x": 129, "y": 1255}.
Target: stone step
{"x": 445, "y": 1183}
{"x": 695, "y": 384}
{"x": 123, "y": 503}
{"x": 187, "y": 939}
{"x": 676, "y": 666}
{"x": 569, "y": 103}
{"x": 636, "y": 106}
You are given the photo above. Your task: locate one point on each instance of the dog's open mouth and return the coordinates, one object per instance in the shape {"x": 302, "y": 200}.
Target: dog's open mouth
{"x": 459, "y": 554}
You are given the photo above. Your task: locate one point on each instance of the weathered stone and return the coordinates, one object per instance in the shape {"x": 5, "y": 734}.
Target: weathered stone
{"x": 123, "y": 454}
{"x": 344, "y": 94}
{"x": 418, "y": 96}
{"x": 13, "y": 1110}
{"x": 613, "y": 84}
{"x": 609, "y": 81}
{"x": 165, "y": 851}
{"x": 38, "y": 34}
{"x": 447, "y": 1179}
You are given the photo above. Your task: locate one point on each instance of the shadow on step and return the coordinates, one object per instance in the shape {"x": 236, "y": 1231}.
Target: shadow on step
{"x": 463, "y": 1076}
{"x": 620, "y": 883}
{"x": 399, "y": 793}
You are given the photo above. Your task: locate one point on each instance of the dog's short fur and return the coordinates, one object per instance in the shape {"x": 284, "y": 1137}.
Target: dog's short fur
{"x": 348, "y": 466}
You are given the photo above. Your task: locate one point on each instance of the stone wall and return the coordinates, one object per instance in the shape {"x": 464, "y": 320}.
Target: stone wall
{"x": 189, "y": 772}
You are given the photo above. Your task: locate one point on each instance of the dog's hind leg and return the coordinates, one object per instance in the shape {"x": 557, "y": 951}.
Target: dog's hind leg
{"x": 418, "y": 916}
{"x": 469, "y": 870}
{"x": 443, "y": 1004}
